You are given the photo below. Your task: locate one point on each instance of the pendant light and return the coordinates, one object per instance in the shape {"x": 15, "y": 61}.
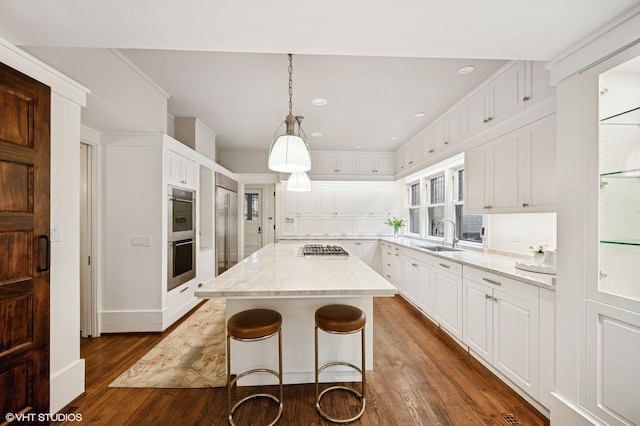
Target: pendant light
{"x": 298, "y": 182}
{"x": 289, "y": 152}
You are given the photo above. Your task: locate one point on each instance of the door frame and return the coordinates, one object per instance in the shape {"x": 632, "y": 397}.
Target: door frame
{"x": 261, "y": 223}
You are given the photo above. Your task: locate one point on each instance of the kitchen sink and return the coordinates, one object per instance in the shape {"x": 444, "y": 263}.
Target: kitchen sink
{"x": 439, "y": 248}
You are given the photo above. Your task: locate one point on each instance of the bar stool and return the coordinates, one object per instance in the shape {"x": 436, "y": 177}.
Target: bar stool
{"x": 340, "y": 319}
{"x": 251, "y": 326}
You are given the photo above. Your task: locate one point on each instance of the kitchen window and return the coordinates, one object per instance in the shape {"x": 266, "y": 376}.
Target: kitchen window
{"x": 414, "y": 208}
{"x": 468, "y": 226}
{"x": 435, "y": 204}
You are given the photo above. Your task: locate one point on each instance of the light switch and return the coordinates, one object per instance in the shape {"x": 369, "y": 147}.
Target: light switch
{"x": 56, "y": 233}
{"x": 140, "y": 241}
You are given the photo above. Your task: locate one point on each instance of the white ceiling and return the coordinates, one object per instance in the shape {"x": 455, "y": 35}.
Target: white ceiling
{"x": 224, "y": 61}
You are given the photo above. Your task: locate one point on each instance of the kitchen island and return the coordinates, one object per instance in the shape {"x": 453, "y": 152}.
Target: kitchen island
{"x": 278, "y": 277}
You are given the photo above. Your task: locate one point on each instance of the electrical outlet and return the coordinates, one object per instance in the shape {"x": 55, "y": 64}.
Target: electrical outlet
{"x": 140, "y": 241}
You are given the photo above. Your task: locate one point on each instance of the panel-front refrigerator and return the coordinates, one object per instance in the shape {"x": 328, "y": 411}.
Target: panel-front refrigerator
{"x": 226, "y": 222}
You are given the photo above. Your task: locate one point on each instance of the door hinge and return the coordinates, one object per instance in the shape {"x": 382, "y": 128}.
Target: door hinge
{"x": 89, "y": 260}
{"x": 274, "y": 227}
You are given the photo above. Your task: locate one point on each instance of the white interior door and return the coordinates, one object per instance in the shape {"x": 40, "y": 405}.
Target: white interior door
{"x": 252, "y": 220}
{"x": 87, "y": 297}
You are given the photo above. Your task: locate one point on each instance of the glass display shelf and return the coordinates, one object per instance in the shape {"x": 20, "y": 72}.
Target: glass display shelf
{"x": 630, "y": 117}
{"x": 633, "y": 173}
{"x": 622, "y": 242}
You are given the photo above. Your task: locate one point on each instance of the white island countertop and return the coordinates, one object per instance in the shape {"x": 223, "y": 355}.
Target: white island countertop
{"x": 277, "y": 270}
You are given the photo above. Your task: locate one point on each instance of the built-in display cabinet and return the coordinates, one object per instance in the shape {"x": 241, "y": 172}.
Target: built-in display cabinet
{"x": 612, "y": 316}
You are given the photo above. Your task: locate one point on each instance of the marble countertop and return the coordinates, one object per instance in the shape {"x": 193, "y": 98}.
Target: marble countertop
{"x": 490, "y": 262}
{"x": 277, "y": 270}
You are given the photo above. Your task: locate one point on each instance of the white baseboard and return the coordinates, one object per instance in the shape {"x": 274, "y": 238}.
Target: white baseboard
{"x": 131, "y": 321}
{"x": 66, "y": 385}
{"x": 566, "y": 413}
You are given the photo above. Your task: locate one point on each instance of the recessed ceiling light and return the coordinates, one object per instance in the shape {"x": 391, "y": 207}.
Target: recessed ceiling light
{"x": 467, "y": 69}
{"x": 395, "y": 138}
{"x": 319, "y": 101}
{"x": 419, "y": 114}
{"x": 357, "y": 146}
{"x": 316, "y": 134}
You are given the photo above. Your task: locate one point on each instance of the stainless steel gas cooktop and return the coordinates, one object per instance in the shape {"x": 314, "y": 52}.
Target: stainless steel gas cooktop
{"x": 320, "y": 250}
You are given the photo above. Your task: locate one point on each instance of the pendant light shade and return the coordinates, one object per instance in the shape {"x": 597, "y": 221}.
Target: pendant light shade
{"x": 299, "y": 182}
{"x": 289, "y": 152}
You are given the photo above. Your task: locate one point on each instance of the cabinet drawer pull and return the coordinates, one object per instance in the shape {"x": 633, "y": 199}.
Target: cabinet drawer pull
{"x": 526, "y": 98}
{"x": 388, "y": 276}
{"x": 388, "y": 264}
{"x": 525, "y": 204}
{"x": 487, "y": 296}
{"x": 490, "y": 281}
{"x": 397, "y": 255}
{"x": 184, "y": 289}
{"x": 414, "y": 264}
{"x": 397, "y": 248}
{"x": 444, "y": 265}
{"x": 431, "y": 151}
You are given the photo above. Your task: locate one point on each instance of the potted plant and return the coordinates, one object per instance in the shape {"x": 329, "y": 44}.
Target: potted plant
{"x": 396, "y": 223}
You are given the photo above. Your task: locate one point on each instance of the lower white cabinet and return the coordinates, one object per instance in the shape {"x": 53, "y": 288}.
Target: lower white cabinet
{"x": 501, "y": 324}
{"x": 419, "y": 281}
{"x": 365, "y": 250}
{"x": 447, "y": 279}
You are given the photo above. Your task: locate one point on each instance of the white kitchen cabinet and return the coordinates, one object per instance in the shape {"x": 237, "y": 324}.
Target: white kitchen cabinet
{"x": 491, "y": 176}
{"x": 334, "y": 226}
{"x": 299, "y": 213}
{"x": 387, "y": 260}
{"x": 336, "y": 163}
{"x": 418, "y": 281}
{"x": 365, "y": 250}
{"x": 501, "y": 97}
{"x": 448, "y": 296}
{"x": 369, "y": 163}
{"x": 180, "y": 170}
{"x": 501, "y": 323}
{"x": 513, "y": 173}
{"x": 457, "y": 126}
{"x": 333, "y": 199}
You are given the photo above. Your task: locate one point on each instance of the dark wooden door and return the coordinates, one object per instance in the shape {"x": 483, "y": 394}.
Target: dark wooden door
{"x": 24, "y": 243}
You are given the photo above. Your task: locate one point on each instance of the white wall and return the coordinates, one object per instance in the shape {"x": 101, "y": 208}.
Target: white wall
{"x": 514, "y": 233}
{"x": 245, "y": 161}
{"x": 67, "y": 98}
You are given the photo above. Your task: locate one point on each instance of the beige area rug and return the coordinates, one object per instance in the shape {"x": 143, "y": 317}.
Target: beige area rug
{"x": 191, "y": 356}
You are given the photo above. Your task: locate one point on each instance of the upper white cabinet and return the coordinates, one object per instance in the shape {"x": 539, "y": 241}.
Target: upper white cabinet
{"x": 514, "y": 172}
{"x": 375, "y": 163}
{"x": 498, "y": 104}
{"x": 503, "y": 96}
{"x": 334, "y": 199}
{"x": 180, "y": 170}
{"x": 334, "y": 163}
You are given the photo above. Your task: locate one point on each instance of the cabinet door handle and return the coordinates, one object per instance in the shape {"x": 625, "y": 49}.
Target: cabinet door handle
{"x": 525, "y": 99}
{"x": 444, "y": 265}
{"x": 431, "y": 151}
{"x": 525, "y": 204}
{"x": 495, "y": 300}
{"x": 397, "y": 255}
{"x": 414, "y": 264}
{"x": 488, "y": 296}
{"x": 446, "y": 142}
{"x": 490, "y": 281}
{"x": 485, "y": 121}
{"x": 184, "y": 289}
{"x": 489, "y": 118}
{"x": 388, "y": 264}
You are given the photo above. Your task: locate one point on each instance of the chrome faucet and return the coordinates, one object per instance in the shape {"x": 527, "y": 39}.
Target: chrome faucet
{"x": 455, "y": 231}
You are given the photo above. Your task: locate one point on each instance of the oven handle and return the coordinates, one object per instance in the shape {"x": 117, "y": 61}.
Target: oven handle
{"x": 184, "y": 200}
{"x": 181, "y": 243}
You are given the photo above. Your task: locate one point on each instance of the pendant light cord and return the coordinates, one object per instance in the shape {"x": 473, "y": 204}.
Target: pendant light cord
{"x": 290, "y": 84}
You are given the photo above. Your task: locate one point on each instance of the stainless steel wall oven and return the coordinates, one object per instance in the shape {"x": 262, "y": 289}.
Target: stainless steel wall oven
{"x": 181, "y": 264}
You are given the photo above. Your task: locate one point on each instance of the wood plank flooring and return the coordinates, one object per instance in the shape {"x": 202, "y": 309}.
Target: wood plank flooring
{"x": 420, "y": 377}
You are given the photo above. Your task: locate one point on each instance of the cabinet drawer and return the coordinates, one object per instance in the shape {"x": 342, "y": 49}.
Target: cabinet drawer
{"x": 447, "y": 266}
{"x": 507, "y": 285}
{"x": 180, "y": 296}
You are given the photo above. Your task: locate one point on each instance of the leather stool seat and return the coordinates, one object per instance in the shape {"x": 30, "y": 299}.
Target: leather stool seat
{"x": 340, "y": 318}
{"x": 254, "y": 324}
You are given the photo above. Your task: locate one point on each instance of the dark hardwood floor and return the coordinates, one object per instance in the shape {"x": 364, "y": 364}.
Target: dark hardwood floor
{"x": 420, "y": 377}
